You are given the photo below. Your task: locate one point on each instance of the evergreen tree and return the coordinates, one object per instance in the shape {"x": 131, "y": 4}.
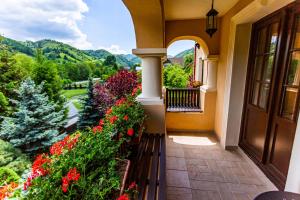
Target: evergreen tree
{"x": 34, "y": 126}
{"x": 89, "y": 115}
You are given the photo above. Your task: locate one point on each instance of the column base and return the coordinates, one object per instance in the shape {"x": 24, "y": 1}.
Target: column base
{"x": 155, "y": 111}
{"x": 206, "y": 88}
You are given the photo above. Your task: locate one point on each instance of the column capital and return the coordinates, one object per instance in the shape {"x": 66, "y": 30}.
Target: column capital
{"x": 212, "y": 58}
{"x": 150, "y": 52}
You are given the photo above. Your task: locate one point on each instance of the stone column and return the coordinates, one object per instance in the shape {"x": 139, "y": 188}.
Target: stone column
{"x": 151, "y": 97}
{"x": 210, "y": 73}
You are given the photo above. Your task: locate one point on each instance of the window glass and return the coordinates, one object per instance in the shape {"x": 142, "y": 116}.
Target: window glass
{"x": 297, "y": 36}
{"x": 273, "y": 37}
{"x": 289, "y": 103}
{"x": 294, "y": 70}
{"x": 268, "y": 68}
{"x": 264, "y": 95}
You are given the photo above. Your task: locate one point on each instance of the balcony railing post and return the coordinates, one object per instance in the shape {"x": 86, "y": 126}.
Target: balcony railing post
{"x": 183, "y": 99}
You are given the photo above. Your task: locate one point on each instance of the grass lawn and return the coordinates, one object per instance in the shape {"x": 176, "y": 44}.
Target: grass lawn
{"x": 72, "y": 93}
{"x": 77, "y": 104}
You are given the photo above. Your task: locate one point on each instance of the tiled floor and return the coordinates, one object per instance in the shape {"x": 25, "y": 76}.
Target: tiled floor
{"x": 198, "y": 168}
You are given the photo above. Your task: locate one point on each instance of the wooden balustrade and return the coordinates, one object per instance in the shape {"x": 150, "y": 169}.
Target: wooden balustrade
{"x": 183, "y": 100}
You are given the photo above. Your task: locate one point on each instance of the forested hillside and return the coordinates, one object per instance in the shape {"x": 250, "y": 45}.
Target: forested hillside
{"x": 64, "y": 53}
{"x": 184, "y": 53}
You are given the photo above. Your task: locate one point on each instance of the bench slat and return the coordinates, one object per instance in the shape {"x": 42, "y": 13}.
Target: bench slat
{"x": 162, "y": 172}
{"x": 154, "y": 170}
{"x": 145, "y": 167}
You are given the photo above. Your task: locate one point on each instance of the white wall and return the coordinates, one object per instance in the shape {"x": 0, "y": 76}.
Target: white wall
{"x": 293, "y": 179}
{"x": 238, "y": 80}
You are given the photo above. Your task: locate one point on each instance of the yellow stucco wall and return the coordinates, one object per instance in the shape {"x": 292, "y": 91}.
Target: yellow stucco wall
{"x": 224, "y": 61}
{"x": 148, "y": 20}
{"x": 194, "y": 121}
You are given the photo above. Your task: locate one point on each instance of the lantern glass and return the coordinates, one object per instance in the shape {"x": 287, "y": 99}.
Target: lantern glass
{"x": 211, "y": 21}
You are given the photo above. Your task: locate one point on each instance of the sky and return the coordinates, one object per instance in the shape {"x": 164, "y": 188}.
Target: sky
{"x": 84, "y": 24}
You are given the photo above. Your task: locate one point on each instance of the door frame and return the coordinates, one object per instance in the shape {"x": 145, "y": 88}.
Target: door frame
{"x": 278, "y": 63}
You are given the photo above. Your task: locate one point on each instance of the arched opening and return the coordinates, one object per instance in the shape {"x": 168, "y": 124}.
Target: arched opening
{"x": 185, "y": 56}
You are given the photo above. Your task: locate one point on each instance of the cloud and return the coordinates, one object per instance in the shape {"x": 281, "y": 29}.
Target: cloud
{"x": 114, "y": 49}
{"x": 40, "y": 19}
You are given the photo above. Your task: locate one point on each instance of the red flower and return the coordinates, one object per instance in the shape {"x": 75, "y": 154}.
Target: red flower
{"x": 125, "y": 117}
{"x": 97, "y": 129}
{"x": 39, "y": 168}
{"x": 123, "y": 197}
{"x": 58, "y": 147}
{"x": 72, "y": 175}
{"x": 65, "y": 184}
{"x": 101, "y": 122}
{"x": 132, "y": 186}
{"x": 109, "y": 111}
{"x": 130, "y": 132}
{"x": 120, "y": 101}
{"x": 113, "y": 119}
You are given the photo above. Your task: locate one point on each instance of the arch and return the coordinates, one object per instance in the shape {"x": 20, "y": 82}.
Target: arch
{"x": 200, "y": 41}
{"x": 192, "y": 29}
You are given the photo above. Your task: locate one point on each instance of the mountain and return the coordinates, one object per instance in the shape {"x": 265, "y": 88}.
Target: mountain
{"x": 184, "y": 53}
{"x": 63, "y": 53}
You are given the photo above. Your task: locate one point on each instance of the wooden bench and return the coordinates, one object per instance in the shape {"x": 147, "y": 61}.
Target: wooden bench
{"x": 149, "y": 167}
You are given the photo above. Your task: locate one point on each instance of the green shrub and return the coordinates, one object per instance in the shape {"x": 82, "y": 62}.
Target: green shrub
{"x": 13, "y": 158}
{"x": 175, "y": 77}
{"x": 7, "y": 176}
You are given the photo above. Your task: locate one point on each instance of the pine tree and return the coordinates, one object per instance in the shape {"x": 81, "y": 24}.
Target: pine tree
{"x": 89, "y": 115}
{"x": 34, "y": 126}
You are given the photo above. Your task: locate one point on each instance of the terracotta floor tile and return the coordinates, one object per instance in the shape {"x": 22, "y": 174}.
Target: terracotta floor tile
{"x": 177, "y": 178}
{"x": 206, "y": 195}
{"x": 176, "y": 163}
{"x": 175, "y": 193}
{"x": 212, "y": 173}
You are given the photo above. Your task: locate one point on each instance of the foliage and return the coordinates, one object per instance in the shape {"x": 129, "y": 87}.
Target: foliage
{"x": 13, "y": 158}
{"x": 3, "y": 103}
{"x": 85, "y": 171}
{"x": 175, "y": 77}
{"x": 123, "y": 120}
{"x": 188, "y": 63}
{"x": 122, "y": 83}
{"x": 69, "y": 94}
{"x": 11, "y": 74}
{"x": 89, "y": 115}
{"x": 84, "y": 165}
{"x": 7, "y": 176}
{"x": 102, "y": 98}
{"x": 110, "y": 61}
{"x": 46, "y": 72}
{"x": 34, "y": 126}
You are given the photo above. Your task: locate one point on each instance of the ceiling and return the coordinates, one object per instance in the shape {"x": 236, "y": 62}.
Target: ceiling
{"x": 194, "y": 9}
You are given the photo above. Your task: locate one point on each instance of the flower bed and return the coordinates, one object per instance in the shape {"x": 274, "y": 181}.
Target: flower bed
{"x": 85, "y": 165}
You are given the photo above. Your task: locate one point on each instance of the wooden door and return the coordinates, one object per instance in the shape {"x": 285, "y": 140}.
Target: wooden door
{"x": 285, "y": 117}
{"x": 261, "y": 73}
{"x": 272, "y": 93}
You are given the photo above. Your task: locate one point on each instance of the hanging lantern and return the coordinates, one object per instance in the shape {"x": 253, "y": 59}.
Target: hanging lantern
{"x": 211, "y": 20}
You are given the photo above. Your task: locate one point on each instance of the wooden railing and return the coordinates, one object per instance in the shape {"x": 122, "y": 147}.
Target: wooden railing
{"x": 183, "y": 99}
